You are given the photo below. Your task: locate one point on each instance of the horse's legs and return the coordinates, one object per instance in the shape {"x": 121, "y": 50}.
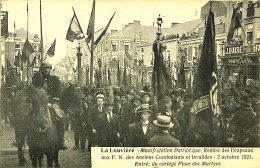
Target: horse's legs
{"x": 56, "y": 158}
{"x": 40, "y": 157}
{"x": 49, "y": 159}
{"x": 21, "y": 156}
{"x": 33, "y": 157}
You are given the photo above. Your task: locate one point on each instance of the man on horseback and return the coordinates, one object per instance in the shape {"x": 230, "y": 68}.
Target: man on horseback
{"x": 52, "y": 85}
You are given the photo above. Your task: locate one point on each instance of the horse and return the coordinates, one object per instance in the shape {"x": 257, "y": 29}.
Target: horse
{"x": 41, "y": 129}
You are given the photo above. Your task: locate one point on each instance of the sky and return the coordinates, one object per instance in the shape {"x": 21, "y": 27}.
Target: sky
{"x": 56, "y": 16}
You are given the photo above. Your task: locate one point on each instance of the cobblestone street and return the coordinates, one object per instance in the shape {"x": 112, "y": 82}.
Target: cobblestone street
{"x": 68, "y": 159}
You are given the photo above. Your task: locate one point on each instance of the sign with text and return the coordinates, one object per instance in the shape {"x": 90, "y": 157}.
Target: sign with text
{"x": 241, "y": 60}
{"x": 239, "y": 50}
{"x": 128, "y": 157}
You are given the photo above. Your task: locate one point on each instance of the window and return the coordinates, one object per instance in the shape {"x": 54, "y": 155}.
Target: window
{"x": 190, "y": 49}
{"x": 114, "y": 46}
{"x": 142, "y": 49}
{"x": 17, "y": 46}
{"x": 126, "y": 43}
{"x": 35, "y": 47}
{"x": 249, "y": 33}
{"x": 250, "y": 10}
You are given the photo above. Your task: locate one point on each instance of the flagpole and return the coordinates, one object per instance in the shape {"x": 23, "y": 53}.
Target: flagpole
{"x": 28, "y": 40}
{"x": 92, "y": 47}
{"x": 41, "y": 47}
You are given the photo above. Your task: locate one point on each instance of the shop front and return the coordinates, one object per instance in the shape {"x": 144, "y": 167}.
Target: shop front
{"x": 242, "y": 62}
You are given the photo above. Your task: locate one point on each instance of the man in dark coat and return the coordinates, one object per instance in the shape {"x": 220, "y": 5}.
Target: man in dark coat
{"x": 92, "y": 122}
{"x": 108, "y": 127}
{"x": 124, "y": 114}
{"x": 163, "y": 137}
{"x": 141, "y": 131}
{"x": 52, "y": 85}
{"x": 134, "y": 117}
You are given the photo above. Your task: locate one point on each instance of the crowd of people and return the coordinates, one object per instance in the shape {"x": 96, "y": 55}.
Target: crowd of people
{"x": 115, "y": 116}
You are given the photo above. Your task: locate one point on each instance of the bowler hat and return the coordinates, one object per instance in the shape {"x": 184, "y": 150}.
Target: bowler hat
{"x": 163, "y": 121}
{"x": 144, "y": 108}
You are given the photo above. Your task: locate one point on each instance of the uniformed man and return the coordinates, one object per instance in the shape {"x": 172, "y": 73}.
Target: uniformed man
{"x": 52, "y": 85}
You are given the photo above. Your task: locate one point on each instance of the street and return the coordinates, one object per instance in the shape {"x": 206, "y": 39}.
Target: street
{"x": 68, "y": 159}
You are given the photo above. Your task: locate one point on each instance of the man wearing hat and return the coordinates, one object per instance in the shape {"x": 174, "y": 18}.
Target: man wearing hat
{"x": 124, "y": 113}
{"x": 146, "y": 99}
{"x": 92, "y": 121}
{"x": 134, "y": 117}
{"x": 52, "y": 85}
{"x": 166, "y": 110}
{"x": 163, "y": 138}
{"x": 141, "y": 131}
{"x": 108, "y": 128}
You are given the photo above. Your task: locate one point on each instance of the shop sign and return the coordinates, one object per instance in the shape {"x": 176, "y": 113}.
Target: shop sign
{"x": 231, "y": 50}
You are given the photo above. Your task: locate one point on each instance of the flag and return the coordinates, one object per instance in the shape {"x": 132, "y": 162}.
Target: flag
{"x": 181, "y": 75}
{"x": 234, "y": 24}
{"x": 74, "y": 31}
{"x": 17, "y": 61}
{"x": 104, "y": 31}
{"x": 4, "y": 25}
{"x": 130, "y": 77}
{"x": 27, "y": 50}
{"x": 118, "y": 75}
{"x": 3, "y": 71}
{"x": 206, "y": 102}
{"x": 90, "y": 30}
{"x": 129, "y": 59}
{"x": 8, "y": 65}
{"x": 87, "y": 75}
{"x": 161, "y": 81}
{"x": 109, "y": 77}
{"x": 34, "y": 61}
{"x": 51, "y": 50}
{"x": 105, "y": 78}
{"x": 124, "y": 82}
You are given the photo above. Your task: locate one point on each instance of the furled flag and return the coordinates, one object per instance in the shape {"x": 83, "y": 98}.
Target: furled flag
{"x": 109, "y": 77}
{"x": 206, "y": 104}
{"x": 234, "y": 24}
{"x": 124, "y": 82}
{"x": 51, "y": 50}
{"x": 8, "y": 65}
{"x": 161, "y": 81}
{"x": 87, "y": 75}
{"x": 27, "y": 50}
{"x": 74, "y": 31}
{"x": 17, "y": 61}
{"x": 104, "y": 31}
{"x": 181, "y": 75}
{"x": 34, "y": 61}
{"x": 90, "y": 30}
{"x": 118, "y": 75}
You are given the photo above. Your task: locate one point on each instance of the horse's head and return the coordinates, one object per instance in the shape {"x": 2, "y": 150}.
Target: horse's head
{"x": 39, "y": 101}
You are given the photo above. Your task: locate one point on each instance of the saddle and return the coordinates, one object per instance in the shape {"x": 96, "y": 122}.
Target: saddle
{"x": 55, "y": 111}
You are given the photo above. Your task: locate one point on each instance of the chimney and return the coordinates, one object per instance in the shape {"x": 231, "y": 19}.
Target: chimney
{"x": 173, "y": 24}
{"x": 136, "y": 22}
{"x": 113, "y": 31}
